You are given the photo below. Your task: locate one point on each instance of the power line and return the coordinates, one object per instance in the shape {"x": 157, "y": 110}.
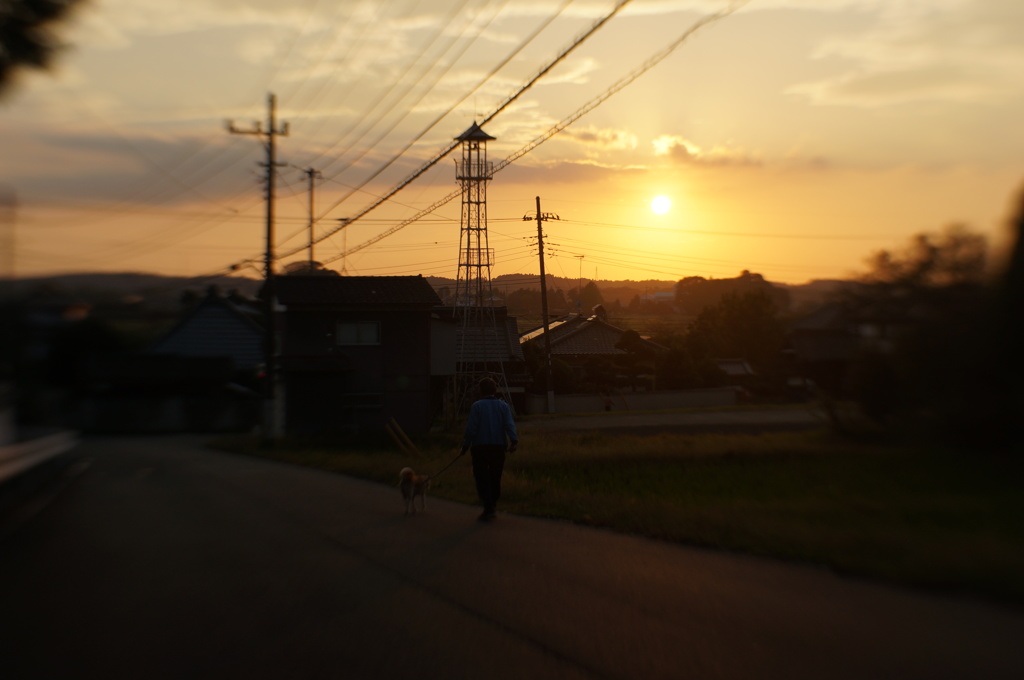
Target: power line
{"x": 809, "y": 237}
{"x": 537, "y": 31}
{"x": 453, "y": 145}
{"x": 579, "y": 113}
{"x": 371, "y": 107}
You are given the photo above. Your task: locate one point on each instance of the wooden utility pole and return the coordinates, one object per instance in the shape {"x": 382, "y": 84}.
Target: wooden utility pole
{"x": 544, "y": 306}
{"x": 579, "y": 287}
{"x": 313, "y": 175}
{"x": 8, "y": 205}
{"x": 272, "y": 413}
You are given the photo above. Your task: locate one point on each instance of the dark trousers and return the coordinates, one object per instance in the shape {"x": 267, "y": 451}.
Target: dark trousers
{"x": 488, "y": 463}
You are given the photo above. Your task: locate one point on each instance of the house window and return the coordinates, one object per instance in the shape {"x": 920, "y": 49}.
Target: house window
{"x": 357, "y": 333}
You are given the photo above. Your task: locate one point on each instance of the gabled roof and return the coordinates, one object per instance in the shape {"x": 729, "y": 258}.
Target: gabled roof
{"x": 354, "y": 291}
{"x": 830, "y": 317}
{"x": 734, "y": 367}
{"x": 485, "y": 340}
{"x": 214, "y": 328}
{"x": 580, "y": 336}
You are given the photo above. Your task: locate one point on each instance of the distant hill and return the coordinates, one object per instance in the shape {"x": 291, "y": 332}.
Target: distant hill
{"x": 102, "y": 288}
{"x": 801, "y": 296}
{"x": 165, "y": 292}
{"x": 813, "y": 294}
{"x": 623, "y": 291}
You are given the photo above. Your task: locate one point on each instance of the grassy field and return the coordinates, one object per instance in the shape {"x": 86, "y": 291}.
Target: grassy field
{"x": 933, "y": 519}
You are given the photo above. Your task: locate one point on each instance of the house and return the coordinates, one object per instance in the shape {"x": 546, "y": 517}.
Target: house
{"x": 220, "y": 327}
{"x": 825, "y": 343}
{"x": 598, "y": 352}
{"x": 200, "y": 376}
{"x": 357, "y": 351}
{"x": 735, "y": 368}
{"x": 485, "y": 341}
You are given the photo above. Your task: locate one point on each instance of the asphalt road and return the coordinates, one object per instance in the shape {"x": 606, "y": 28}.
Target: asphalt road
{"x": 165, "y": 560}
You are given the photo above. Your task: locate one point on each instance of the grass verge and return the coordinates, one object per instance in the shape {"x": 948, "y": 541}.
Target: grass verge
{"x": 924, "y": 518}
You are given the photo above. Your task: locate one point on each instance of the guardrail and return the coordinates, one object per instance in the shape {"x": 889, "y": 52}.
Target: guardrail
{"x": 17, "y": 457}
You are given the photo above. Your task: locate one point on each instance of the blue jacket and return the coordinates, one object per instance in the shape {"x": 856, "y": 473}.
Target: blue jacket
{"x": 490, "y": 421}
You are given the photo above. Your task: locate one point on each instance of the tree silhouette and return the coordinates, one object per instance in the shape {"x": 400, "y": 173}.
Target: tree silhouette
{"x": 939, "y": 361}
{"x": 695, "y": 293}
{"x": 588, "y": 297}
{"x": 745, "y": 325}
{"x": 304, "y": 268}
{"x": 955, "y": 257}
{"x": 27, "y": 36}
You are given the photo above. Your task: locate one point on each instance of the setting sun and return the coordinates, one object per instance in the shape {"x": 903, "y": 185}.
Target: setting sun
{"x": 848, "y": 153}
{"x": 660, "y": 205}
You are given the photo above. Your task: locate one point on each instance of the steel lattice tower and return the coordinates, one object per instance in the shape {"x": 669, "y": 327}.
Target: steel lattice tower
{"x": 473, "y": 171}
{"x": 482, "y": 338}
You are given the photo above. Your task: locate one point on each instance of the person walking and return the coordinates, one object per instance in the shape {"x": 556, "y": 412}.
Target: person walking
{"x": 490, "y": 430}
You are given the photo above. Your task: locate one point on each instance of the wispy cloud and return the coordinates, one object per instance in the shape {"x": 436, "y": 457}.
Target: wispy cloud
{"x": 945, "y": 50}
{"x": 683, "y": 151}
{"x": 604, "y": 139}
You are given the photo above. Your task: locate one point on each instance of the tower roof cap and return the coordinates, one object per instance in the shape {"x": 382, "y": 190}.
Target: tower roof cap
{"x": 474, "y": 133}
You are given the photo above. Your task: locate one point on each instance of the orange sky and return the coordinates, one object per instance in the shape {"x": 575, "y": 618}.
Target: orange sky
{"x": 794, "y": 138}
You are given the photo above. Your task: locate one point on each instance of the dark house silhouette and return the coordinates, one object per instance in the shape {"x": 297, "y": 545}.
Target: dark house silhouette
{"x": 357, "y": 351}
{"x": 200, "y": 376}
{"x": 591, "y": 344}
{"x": 219, "y": 327}
{"x": 825, "y": 344}
{"x": 489, "y": 345}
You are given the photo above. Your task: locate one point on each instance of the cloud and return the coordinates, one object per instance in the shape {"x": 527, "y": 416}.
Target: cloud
{"x": 117, "y": 24}
{"x": 964, "y": 51}
{"x": 566, "y": 172}
{"x": 601, "y": 138}
{"x": 130, "y": 168}
{"x": 889, "y": 86}
{"x": 682, "y": 151}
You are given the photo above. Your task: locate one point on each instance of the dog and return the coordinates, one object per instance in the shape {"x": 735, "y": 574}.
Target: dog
{"x": 413, "y": 486}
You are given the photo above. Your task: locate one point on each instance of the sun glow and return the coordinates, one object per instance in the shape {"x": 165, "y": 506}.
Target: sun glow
{"x": 660, "y": 205}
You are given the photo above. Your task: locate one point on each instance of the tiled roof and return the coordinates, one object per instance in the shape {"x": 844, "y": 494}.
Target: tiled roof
{"x": 488, "y": 341}
{"x": 579, "y": 336}
{"x": 829, "y": 317}
{"x": 734, "y": 367}
{"x": 588, "y": 337}
{"x": 567, "y": 322}
{"x": 360, "y": 291}
{"x": 215, "y": 328}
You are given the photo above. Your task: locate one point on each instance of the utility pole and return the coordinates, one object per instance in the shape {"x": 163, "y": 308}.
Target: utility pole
{"x": 8, "y": 206}
{"x": 344, "y": 243}
{"x": 312, "y": 175}
{"x": 579, "y": 287}
{"x": 544, "y": 303}
{"x": 272, "y": 419}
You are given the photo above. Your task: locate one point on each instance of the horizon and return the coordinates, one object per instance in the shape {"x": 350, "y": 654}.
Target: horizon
{"x": 792, "y": 138}
{"x": 525, "y": 277}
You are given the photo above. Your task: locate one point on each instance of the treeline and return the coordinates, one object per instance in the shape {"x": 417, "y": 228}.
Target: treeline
{"x": 695, "y": 293}
{"x": 940, "y": 356}
{"x": 688, "y": 297}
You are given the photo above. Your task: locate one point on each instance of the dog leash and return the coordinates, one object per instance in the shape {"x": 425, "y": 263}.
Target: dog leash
{"x": 449, "y": 465}
{"x": 446, "y": 466}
